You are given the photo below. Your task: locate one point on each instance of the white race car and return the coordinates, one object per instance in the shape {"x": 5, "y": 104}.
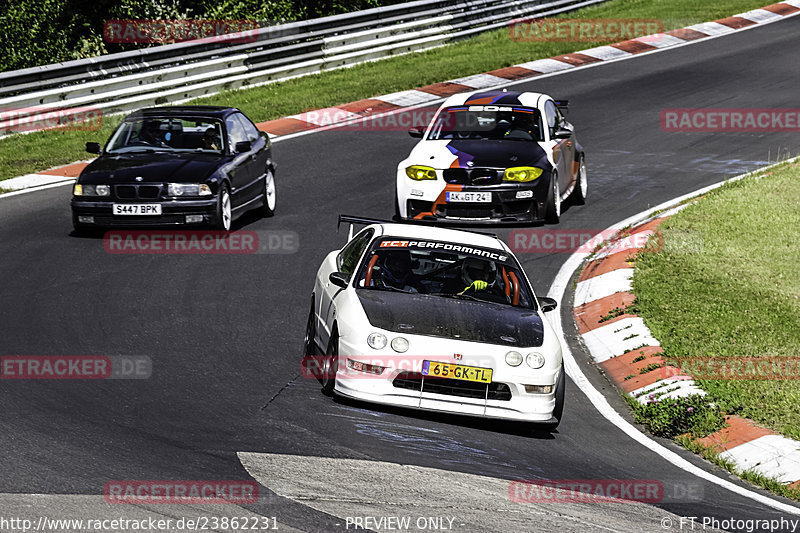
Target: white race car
{"x": 437, "y": 319}
{"x": 493, "y": 157}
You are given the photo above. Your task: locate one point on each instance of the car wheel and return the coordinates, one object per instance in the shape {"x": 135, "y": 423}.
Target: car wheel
{"x": 558, "y": 410}
{"x": 553, "y": 213}
{"x": 223, "y": 218}
{"x": 578, "y": 196}
{"x": 330, "y": 364}
{"x": 309, "y": 346}
{"x": 269, "y": 194}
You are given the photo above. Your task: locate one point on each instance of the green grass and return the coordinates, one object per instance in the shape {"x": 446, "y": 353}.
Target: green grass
{"x": 737, "y": 294}
{"x": 22, "y": 154}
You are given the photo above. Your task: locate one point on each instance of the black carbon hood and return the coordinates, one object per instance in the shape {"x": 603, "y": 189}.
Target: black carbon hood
{"x": 466, "y": 320}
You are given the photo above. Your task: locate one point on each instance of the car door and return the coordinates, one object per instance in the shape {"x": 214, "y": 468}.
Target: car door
{"x": 259, "y": 154}
{"x": 346, "y": 262}
{"x": 241, "y": 173}
{"x": 563, "y": 149}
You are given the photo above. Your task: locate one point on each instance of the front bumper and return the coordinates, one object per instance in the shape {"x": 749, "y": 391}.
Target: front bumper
{"x": 174, "y": 212}
{"x": 510, "y": 203}
{"x": 402, "y": 385}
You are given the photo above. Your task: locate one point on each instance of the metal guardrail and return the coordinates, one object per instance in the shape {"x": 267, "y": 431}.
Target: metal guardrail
{"x": 121, "y": 82}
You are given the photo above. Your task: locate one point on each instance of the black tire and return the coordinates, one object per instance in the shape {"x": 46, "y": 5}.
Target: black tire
{"x": 309, "y": 346}
{"x": 578, "y": 196}
{"x": 558, "y": 410}
{"x": 222, "y": 219}
{"x": 553, "y": 211}
{"x": 330, "y": 364}
{"x": 268, "y": 209}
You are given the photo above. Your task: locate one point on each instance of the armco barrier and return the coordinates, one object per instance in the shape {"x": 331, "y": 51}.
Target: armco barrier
{"x": 121, "y": 82}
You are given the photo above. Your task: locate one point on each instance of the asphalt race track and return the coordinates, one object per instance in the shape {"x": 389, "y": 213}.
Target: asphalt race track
{"x": 224, "y": 332}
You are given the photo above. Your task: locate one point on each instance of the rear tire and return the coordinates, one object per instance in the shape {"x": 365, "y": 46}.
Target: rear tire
{"x": 553, "y": 212}
{"x": 578, "y": 196}
{"x": 331, "y": 364}
{"x": 268, "y": 209}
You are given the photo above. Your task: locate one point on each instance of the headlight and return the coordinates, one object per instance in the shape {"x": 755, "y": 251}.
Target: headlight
{"x": 522, "y": 174}
{"x": 399, "y": 344}
{"x": 535, "y": 360}
{"x": 420, "y": 172}
{"x": 91, "y": 190}
{"x": 514, "y": 358}
{"x": 376, "y": 341}
{"x": 188, "y": 189}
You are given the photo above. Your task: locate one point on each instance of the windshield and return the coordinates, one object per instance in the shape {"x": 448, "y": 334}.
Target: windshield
{"x": 167, "y": 134}
{"x": 447, "y": 270}
{"x": 488, "y": 122}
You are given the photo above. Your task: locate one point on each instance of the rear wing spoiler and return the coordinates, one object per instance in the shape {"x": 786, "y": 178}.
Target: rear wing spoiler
{"x": 563, "y": 105}
{"x": 366, "y": 221}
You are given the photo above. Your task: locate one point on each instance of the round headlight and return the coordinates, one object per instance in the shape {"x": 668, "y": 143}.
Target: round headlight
{"x": 514, "y": 358}
{"x": 535, "y": 360}
{"x": 102, "y": 190}
{"x": 399, "y": 344}
{"x": 376, "y": 341}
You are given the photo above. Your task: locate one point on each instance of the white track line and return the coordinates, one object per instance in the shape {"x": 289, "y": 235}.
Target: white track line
{"x": 557, "y": 291}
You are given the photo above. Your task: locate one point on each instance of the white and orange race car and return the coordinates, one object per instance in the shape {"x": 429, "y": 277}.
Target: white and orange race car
{"x": 493, "y": 157}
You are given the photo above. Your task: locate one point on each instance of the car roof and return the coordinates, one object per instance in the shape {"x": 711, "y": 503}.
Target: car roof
{"x": 527, "y": 98}
{"x": 435, "y": 233}
{"x": 185, "y": 110}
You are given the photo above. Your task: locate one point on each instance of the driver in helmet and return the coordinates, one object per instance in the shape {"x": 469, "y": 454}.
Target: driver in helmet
{"x": 396, "y": 271}
{"x": 478, "y": 274}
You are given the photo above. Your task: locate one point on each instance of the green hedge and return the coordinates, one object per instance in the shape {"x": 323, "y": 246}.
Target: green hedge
{"x": 40, "y": 32}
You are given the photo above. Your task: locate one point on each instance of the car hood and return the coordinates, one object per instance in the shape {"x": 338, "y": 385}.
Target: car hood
{"x": 152, "y": 167}
{"x": 465, "y": 320}
{"x": 479, "y": 154}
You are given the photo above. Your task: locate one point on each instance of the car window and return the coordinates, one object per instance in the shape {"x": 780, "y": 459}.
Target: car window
{"x": 172, "y": 133}
{"x": 445, "y": 270}
{"x": 551, "y": 115}
{"x": 249, "y": 129}
{"x": 347, "y": 260}
{"x": 236, "y": 132}
{"x": 487, "y": 122}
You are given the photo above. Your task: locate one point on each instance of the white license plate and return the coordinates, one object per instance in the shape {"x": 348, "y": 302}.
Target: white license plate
{"x": 482, "y": 197}
{"x": 137, "y": 209}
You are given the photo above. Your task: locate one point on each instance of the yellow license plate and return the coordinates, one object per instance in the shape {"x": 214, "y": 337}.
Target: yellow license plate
{"x": 448, "y": 370}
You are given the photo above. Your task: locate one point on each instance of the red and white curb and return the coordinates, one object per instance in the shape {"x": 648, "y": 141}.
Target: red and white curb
{"x": 391, "y": 103}
{"x": 625, "y": 349}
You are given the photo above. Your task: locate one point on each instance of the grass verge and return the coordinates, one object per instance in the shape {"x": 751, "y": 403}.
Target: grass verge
{"x": 23, "y": 154}
{"x": 737, "y": 294}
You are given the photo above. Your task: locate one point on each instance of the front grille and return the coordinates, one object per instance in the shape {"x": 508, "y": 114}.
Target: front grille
{"x": 465, "y": 210}
{"x": 133, "y": 192}
{"x": 452, "y": 387}
{"x": 473, "y": 176}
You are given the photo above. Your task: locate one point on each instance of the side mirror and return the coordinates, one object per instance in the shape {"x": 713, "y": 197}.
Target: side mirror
{"x": 93, "y": 148}
{"x": 339, "y": 279}
{"x": 562, "y": 134}
{"x": 547, "y": 304}
{"x": 243, "y": 146}
{"x": 415, "y": 132}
